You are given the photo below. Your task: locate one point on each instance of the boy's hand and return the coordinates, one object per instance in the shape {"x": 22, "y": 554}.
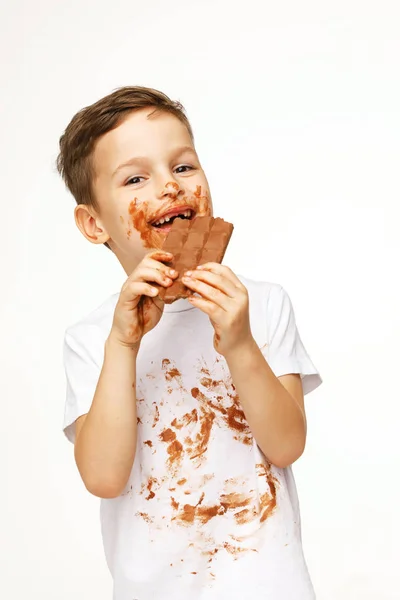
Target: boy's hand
{"x": 138, "y": 309}
{"x": 225, "y": 300}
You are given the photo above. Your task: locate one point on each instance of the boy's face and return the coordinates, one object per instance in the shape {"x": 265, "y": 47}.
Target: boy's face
{"x": 146, "y": 169}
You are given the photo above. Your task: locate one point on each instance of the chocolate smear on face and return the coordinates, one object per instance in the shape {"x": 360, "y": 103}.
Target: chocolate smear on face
{"x": 150, "y": 236}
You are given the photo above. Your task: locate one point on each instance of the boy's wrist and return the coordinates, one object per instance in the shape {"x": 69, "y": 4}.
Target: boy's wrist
{"x": 244, "y": 350}
{"x": 113, "y": 342}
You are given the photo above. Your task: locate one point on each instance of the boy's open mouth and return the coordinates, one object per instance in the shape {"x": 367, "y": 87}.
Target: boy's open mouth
{"x": 165, "y": 221}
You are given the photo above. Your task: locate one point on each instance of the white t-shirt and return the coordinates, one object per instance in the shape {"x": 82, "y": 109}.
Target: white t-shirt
{"x": 203, "y": 515}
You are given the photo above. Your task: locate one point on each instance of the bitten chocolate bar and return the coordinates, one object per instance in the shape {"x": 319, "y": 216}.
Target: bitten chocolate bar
{"x": 194, "y": 243}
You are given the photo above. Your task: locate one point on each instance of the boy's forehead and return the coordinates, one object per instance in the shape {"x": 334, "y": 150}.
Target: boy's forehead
{"x": 141, "y": 133}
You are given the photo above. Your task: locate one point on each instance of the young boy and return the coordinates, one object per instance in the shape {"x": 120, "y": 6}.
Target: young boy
{"x": 185, "y": 417}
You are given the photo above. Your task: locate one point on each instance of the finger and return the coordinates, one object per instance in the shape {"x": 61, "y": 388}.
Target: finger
{"x": 146, "y": 274}
{"x": 133, "y": 291}
{"x": 220, "y": 282}
{"x": 221, "y": 270}
{"x": 160, "y": 255}
{"x": 208, "y": 307}
{"x": 156, "y": 264}
{"x": 207, "y": 292}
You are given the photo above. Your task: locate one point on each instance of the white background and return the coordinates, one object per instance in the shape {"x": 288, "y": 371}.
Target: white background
{"x": 295, "y": 109}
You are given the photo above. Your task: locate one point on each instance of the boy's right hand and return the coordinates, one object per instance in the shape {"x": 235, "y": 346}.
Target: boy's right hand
{"x": 138, "y": 309}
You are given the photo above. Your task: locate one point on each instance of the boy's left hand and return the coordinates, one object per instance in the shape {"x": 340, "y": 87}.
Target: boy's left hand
{"x": 225, "y": 300}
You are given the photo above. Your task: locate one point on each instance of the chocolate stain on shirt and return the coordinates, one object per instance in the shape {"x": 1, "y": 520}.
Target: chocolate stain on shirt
{"x": 234, "y": 500}
{"x": 233, "y": 415}
{"x": 200, "y": 444}
{"x": 156, "y": 415}
{"x": 174, "y": 448}
{"x": 267, "y": 500}
{"x": 184, "y": 421}
{"x": 145, "y": 517}
{"x": 151, "y": 481}
{"x": 149, "y": 443}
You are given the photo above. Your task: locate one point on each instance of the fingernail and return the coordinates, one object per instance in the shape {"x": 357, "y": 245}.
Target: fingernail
{"x": 199, "y": 267}
{"x": 188, "y": 273}
{"x": 172, "y": 272}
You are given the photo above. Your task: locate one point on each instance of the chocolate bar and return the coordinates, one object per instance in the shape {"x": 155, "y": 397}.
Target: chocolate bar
{"x": 193, "y": 243}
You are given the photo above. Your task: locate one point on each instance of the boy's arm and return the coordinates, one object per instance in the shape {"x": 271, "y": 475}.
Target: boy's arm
{"x": 106, "y": 436}
{"x": 105, "y": 443}
{"x": 274, "y": 408}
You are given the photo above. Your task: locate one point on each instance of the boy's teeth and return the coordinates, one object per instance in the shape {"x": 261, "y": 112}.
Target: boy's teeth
{"x": 163, "y": 220}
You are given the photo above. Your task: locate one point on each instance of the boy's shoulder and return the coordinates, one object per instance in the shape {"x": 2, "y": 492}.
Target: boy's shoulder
{"x": 261, "y": 289}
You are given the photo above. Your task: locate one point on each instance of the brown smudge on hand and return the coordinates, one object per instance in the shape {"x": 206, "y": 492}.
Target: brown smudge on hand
{"x": 149, "y": 443}
{"x": 184, "y": 421}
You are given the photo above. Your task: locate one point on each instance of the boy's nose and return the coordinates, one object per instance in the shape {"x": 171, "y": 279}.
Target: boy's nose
{"x": 171, "y": 188}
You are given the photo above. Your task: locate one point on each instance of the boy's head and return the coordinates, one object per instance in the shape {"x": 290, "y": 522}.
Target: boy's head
{"x": 128, "y": 160}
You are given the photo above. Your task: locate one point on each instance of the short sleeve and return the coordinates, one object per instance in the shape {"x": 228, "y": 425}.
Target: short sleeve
{"x": 285, "y": 350}
{"x": 83, "y": 359}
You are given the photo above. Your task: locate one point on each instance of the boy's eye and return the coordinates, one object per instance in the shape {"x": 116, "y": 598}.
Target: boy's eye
{"x": 184, "y": 167}
{"x": 133, "y": 180}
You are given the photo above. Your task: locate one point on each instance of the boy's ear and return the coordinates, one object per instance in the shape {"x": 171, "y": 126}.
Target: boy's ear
{"x": 90, "y": 225}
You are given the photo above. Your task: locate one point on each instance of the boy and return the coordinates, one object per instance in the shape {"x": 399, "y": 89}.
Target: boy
{"x": 185, "y": 417}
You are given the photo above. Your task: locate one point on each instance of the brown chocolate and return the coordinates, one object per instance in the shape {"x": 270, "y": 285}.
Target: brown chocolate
{"x": 194, "y": 243}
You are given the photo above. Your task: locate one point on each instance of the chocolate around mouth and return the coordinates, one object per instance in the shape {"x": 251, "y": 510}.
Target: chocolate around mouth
{"x": 169, "y": 220}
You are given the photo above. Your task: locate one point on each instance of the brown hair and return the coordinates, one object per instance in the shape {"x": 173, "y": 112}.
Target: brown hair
{"x": 75, "y": 160}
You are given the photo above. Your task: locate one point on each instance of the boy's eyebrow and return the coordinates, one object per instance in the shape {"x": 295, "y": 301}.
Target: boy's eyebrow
{"x": 142, "y": 159}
